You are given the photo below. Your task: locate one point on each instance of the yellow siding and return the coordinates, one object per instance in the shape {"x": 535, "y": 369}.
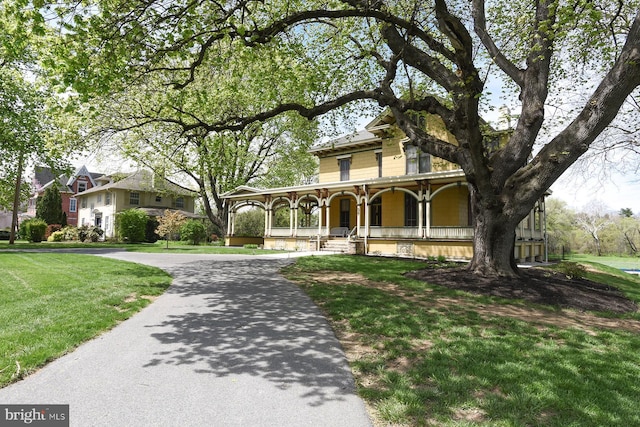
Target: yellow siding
{"x": 329, "y": 170}
{"x": 393, "y": 209}
{"x": 422, "y": 249}
{"x": 241, "y": 241}
{"x": 363, "y": 165}
{"x": 450, "y": 207}
{"x": 393, "y": 160}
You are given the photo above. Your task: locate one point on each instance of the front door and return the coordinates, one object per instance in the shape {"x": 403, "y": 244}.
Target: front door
{"x": 345, "y": 213}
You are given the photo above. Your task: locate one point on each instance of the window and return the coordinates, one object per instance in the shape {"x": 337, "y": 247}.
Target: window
{"x": 99, "y": 198}
{"x": 417, "y": 160}
{"x": 410, "y": 211}
{"x": 83, "y": 202}
{"x": 158, "y": 199}
{"x": 345, "y": 165}
{"x": 107, "y": 199}
{"x": 73, "y": 205}
{"x": 134, "y": 198}
{"x": 180, "y": 202}
{"x": 82, "y": 186}
{"x": 379, "y": 162}
{"x": 376, "y": 212}
{"x": 418, "y": 119}
{"x": 345, "y": 212}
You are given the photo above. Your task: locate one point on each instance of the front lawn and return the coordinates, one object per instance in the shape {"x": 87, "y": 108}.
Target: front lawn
{"x": 52, "y": 302}
{"x": 158, "y": 247}
{"x": 620, "y": 262}
{"x": 428, "y": 355}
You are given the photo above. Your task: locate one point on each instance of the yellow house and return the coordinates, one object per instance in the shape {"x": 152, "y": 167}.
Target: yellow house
{"x": 377, "y": 194}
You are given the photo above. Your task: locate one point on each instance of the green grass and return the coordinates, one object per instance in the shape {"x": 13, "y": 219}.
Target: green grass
{"x": 158, "y": 247}
{"x": 627, "y": 263}
{"x": 52, "y": 302}
{"x": 437, "y": 357}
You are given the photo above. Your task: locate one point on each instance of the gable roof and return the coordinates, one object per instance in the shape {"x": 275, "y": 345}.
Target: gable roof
{"x": 42, "y": 175}
{"x": 143, "y": 181}
{"x": 45, "y": 178}
{"x": 82, "y": 171}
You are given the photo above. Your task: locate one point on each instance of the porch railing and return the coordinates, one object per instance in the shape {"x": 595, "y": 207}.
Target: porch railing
{"x": 397, "y": 232}
{"x": 453, "y": 233}
{"x": 457, "y": 233}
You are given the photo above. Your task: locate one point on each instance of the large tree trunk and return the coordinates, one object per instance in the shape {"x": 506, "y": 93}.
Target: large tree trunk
{"x": 16, "y": 201}
{"x": 494, "y": 241}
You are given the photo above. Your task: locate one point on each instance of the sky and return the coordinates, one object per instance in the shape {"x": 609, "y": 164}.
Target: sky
{"x": 616, "y": 192}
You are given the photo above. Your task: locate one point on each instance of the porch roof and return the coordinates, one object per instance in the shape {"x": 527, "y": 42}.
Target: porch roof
{"x": 442, "y": 177}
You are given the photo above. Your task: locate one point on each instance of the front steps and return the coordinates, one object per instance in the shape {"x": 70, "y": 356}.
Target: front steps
{"x": 336, "y": 245}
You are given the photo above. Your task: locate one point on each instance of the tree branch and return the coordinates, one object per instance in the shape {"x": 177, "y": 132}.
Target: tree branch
{"x": 480, "y": 27}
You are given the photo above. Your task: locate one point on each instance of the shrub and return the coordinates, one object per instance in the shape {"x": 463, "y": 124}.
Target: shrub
{"x": 250, "y": 246}
{"x": 442, "y": 259}
{"x": 70, "y": 233}
{"x": 572, "y": 270}
{"x": 150, "y": 235}
{"x": 51, "y": 228}
{"x": 193, "y": 231}
{"x": 90, "y": 233}
{"x": 131, "y": 225}
{"x": 56, "y": 236}
{"x": 33, "y": 230}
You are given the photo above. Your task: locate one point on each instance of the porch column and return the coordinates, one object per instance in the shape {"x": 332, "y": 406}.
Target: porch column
{"x": 233, "y": 223}
{"x": 328, "y": 213}
{"x": 367, "y": 222}
{"x": 420, "y": 214}
{"x": 358, "y": 215}
{"x": 427, "y": 230}
{"x": 290, "y": 221}
{"x": 229, "y": 220}
{"x": 295, "y": 222}
{"x": 319, "y": 218}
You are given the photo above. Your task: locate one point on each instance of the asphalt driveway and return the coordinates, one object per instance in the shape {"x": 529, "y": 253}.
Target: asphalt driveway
{"x": 231, "y": 343}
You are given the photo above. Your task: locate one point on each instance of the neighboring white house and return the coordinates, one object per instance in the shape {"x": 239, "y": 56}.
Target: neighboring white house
{"x": 5, "y": 219}
{"x": 142, "y": 190}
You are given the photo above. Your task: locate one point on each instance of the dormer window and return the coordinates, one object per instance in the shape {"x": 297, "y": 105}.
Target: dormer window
{"x": 417, "y": 160}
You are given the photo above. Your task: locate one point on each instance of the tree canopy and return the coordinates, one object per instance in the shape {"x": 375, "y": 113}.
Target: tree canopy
{"x": 436, "y": 57}
{"x": 35, "y": 125}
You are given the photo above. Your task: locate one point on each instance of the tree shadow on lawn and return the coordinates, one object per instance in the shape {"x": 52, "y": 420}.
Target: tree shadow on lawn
{"x": 242, "y": 317}
{"x": 534, "y": 285}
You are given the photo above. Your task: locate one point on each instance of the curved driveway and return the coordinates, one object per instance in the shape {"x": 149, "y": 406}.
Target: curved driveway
{"x": 231, "y": 343}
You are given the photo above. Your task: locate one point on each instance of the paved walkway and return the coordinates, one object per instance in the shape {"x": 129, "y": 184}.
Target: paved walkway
{"x": 231, "y": 343}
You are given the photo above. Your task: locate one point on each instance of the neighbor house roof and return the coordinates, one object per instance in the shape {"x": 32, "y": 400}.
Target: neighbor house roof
{"x": 144, "y": 181}
{"x": 45, "y": 178}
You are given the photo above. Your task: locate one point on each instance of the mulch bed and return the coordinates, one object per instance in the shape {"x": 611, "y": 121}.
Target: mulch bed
{"x": 534, "y": 285}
